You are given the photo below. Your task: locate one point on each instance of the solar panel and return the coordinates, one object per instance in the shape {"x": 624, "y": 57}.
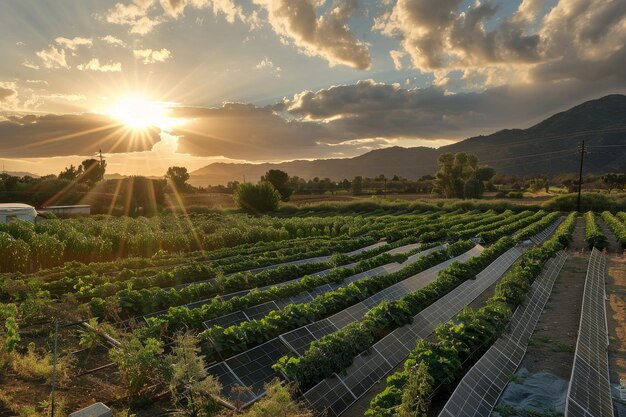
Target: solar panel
{"x": 370, "y": 367}
{"x": 478, "y": 392}
{"x": 229, "y": 381}
{"x": 298, "y": 340}
{"x": 259, "y": 311}
{"x": 227, "y": 320}
{"x": 330, "y": 397}
{"x": 254, "y": 367}
{"x": 544, "y": 234}
{"x": 589, "y": 392}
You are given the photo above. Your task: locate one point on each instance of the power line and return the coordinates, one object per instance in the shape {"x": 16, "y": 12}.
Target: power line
{"x": 580, "y": 173}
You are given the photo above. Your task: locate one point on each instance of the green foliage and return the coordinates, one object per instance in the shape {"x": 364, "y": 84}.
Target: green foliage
{"x": 192, "y": 389}
{"x": 178, "y": 177}
{"x": 139, "y": 363}
{"x": 588, "y": 201}
{"x": 617, "y": 227}
{"x": 465, "y": 338}
{"x": 279, "y": 180}
{"x": 9, "y": 312}
{"x": 593, "y": 234}
{"x": 614, "y": 181}
{"x": 257, "y": 198}
{"x": 460, "y": 176}
{"x": 416, "y": 393}
{"x": 515, "y": 194}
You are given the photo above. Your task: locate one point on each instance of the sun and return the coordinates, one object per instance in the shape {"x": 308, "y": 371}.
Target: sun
{"x": 138, "y": 112}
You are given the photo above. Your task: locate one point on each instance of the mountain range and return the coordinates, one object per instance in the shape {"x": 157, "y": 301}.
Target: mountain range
{"x": 549, "y": 147}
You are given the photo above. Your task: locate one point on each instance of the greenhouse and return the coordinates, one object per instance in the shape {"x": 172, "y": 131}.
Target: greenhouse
{"x": 10, "y": 212}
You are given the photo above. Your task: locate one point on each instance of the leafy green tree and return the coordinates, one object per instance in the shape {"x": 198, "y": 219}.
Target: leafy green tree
{"x": 357, "y": 185}
{"x": 279, "y": 179}
{"x": 538, "y": 184}
{"x": 460, "y": 173}
{"x": 257, "y": 198}
{"x": 92, "y": 171}
{"x": 178, "y": 176}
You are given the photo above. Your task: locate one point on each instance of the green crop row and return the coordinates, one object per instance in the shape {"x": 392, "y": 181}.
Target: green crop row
{"x": 336, "y": 351}
{"x": 438, "y": 363}
{"x": 593, "y": 234}
{"x": 616, "y": 226}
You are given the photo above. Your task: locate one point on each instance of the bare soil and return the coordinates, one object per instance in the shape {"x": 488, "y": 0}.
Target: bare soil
{"x": 616, "y": 307}
{"x": 552, "y": 345}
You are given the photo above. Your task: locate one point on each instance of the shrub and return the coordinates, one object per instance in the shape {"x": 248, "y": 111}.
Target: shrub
{"x": 515, "y": 194}
{"x": 257, "y": 198}
{"x": 593, "y": 234}
{"x": 588, "y": 201}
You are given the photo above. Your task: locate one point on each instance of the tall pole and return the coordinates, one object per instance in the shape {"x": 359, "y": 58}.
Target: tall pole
{"x": 54, "y": 365}
{"x": 580, "y": 174}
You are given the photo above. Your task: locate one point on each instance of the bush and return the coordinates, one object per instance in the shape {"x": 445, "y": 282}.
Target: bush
{"x": 588, "y": 202}
{"x": 515, "y": 194}
{"x": 257, "y": 198}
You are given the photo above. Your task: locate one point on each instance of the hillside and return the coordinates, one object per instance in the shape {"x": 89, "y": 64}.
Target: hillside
{"x": 548, "y": 147}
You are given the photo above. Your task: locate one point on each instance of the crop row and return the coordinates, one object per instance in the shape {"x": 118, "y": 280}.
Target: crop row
{"x": 336, "y": 351}
{"x": 593, "y": 234}
{"x": 438, "y": 363}
{"x": 245, "y": 335}
{"x": 616, "y": 226}
{"x": 146, "y": 300}
{"x": 97, "y": 238}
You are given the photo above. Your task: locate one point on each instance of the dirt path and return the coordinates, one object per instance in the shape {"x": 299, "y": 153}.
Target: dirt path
{"x": 553, "y": 343}
{"x": 616, "y": 307}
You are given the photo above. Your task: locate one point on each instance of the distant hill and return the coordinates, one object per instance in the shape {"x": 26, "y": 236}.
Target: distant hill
{"x": 22, "y": 174}
{"x": 548, "y": 148}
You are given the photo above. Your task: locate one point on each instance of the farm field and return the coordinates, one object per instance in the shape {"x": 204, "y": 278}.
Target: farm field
{"x": 365, "y": 313}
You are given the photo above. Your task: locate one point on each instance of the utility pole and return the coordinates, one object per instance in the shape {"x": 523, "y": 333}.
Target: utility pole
{"x": 101, "y": 158}
{"x": 54, "y": 366}
{"x": 580, "y": 173}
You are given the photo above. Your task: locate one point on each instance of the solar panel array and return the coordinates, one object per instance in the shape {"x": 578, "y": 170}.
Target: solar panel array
{"x": 253, "y": 368}
{"x": 226, "y": 297}
{"x": 336, "y": 394}
{"x": 478, "y": 392}
{"x": 253, "y": 313}
{"x": 589, "y": 392}
{"x": 540, "y": 237}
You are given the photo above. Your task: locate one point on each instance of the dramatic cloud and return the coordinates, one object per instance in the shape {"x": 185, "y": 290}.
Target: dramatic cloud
{"x": 73, "y": 44}
{"x": 94, "y": 65}
{"x": 58, "y": 135}
{"x": 112, "y": 40}
{"x": 52, "y": 58}
{"x": 149, "y": 56}
{"x": 327, "y": 36}
{"x": 367, "y": 115}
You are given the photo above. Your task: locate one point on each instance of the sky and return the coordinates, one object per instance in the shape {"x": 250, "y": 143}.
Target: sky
{"x": 157, "y": 83}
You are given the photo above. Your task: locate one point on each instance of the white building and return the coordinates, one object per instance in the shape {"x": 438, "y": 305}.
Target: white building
{"x": 80, "y": 210}
{"x": 10, "y": 212}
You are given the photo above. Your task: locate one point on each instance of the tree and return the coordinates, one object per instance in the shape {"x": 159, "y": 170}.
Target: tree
{"x": 279, "y": 180}
{"x": 460, "y": 173}
{"x": 257, "y": 198}
{"x": 71, "y": 173}
{"x": 538, "y": 184}
{"x": 357, "y": 185}
{"x": 92, "y": 171}
{"x": 178, "y": 177}
{"x": 614, "y": 181}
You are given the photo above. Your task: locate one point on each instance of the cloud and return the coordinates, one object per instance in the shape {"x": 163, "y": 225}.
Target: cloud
{"x": 30, "y": 65}
{"x": 73, "y": 44}
{"x": 62, "y": 135}
{"x": 52, "y": 58}
{"x": 150, "y": 56}
{"x": 397, "y": 57}
{"x": 327, "y": 36}
{"x": 267, "y": 64}
{"x": 6, "y": 93}
{"x": 94, "y": 65}
{"x": 368, "y": 114}
{"x": 135, "y": 15}
{"x": 112, "y": 40}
